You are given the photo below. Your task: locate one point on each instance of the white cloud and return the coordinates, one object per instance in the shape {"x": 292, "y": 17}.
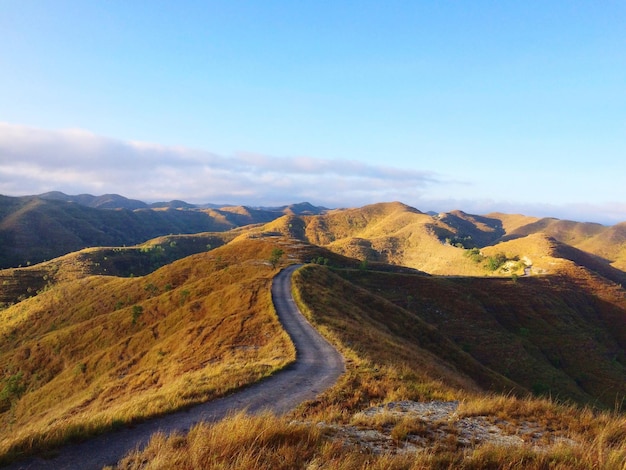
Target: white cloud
{"x": 76, "y": 161}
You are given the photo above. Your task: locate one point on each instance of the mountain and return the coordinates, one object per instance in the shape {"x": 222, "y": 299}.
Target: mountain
{"x": 115, "y": 201}
{"x": 451, "y": 307}
{"x": 607, "y": 242}
{"x": 106, "y": 201}
{"x": 34, "y": 229}
{"x": 460, "y": 244}
{"x": 92, "y": 352}
{"x": 175, "y": 204}
{"x": 38, "y": 228}
{"x": 301, "y": 208}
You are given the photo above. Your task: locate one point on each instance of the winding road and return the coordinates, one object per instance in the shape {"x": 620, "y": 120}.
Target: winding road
{"x": 318, "y": 366}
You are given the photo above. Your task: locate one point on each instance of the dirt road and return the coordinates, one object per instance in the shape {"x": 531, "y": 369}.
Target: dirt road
{"x": 318, "y": 365}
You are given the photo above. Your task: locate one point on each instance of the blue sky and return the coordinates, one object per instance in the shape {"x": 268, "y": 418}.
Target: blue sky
{"x": 481, "y": 106}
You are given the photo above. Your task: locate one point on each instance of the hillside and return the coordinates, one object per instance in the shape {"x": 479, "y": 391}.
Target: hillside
{"x": 551, "y": 335}
{"x": 106, "y": 201}
{"x": 93, "y": 353}
{"x": 395, "y": 356}
{"x": 456, "y": 243}
{"x": 390, "y": 233}
{"x": 445, "y": 308}
{"x": 39, "y": 228}
{"x": 20, "y": 283}
{"x": 608, "y": 243}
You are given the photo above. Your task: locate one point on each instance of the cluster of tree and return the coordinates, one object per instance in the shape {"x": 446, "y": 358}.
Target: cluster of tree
{"x": 495, "y": 262}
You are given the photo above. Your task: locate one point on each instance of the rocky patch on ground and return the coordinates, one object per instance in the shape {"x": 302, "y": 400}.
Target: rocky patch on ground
{"x": 409, "y": 426}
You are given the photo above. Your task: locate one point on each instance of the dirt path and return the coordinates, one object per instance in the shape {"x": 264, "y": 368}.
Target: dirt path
{"x": 318, "y": 365}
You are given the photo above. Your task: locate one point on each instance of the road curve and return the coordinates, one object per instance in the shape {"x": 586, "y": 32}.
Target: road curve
{"x": 318, "y": 366}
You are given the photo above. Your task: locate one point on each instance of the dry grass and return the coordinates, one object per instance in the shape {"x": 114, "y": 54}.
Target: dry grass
{"x": 384, "y": 365}
{"x": 529, "y": 330}
{"x": 90, "y": 360}
{"x": 382, "y": 368}
{"x": 393, "y": 353}
{"x": 398, "y": 234}
{"x": 99, "y": 352}
{"x": 268, "y": 442}
{"x": 241, "y": 441}
{"x": 260, "y": 442}
{"x": 391, "y": 233}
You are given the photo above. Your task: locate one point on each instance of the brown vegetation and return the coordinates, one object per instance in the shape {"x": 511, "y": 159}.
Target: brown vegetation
{"x": 389, "y": 359}
{"x": 540, "y": 338}
{"x": 94, "y": 353}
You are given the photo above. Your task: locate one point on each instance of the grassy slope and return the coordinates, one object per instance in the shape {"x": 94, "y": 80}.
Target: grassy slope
{"x": 608, "y": 243}
{"x": 392, "y": 333}
{"x": 19, "y": 283}
{"x": 391, "y": 355}
{"x": 93, "y": 353}
{"x": 392, "y": 233}
{"x": 398, "y": 234}
{"x": 551, "y": 335}
{"x": 33, "y": 230}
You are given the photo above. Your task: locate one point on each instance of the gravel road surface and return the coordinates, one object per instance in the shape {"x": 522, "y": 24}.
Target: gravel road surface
{"x": 318, "y": 366}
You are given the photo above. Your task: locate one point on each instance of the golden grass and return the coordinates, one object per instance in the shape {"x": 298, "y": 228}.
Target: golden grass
{"x": 269, "y": 442}
{"x": 382, "y": 366}
{"x": 390, "y": 355}
{"x": 398, "y": 234}
{"x": 241, "y": 441}
{"x": 379, "y": 371}
{"x": 99, "y": 352}
{"x": 91, "y": 360}
{"x": 392, "y": 233}
{"x": 504, "y": 323}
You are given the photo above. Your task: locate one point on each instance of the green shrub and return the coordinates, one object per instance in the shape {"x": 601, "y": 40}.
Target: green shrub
{"x": 475, "y": 255}
{"x": 13, "y": 389}
{"x": 137, "y": 311}
{"x": 495, "y": 262}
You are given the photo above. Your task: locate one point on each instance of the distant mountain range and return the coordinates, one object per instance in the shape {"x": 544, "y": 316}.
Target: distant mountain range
{"x": 115, "y": 201}
{"x": 42, "y": 227}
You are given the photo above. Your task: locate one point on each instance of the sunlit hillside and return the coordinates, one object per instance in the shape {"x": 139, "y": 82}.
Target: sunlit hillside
{"x": 409, "y": 339}
{"x": 449, "y": 308}
{"x": 93, "y": 353}
{"x": 20, "y": 283}
{"x": 456, "y": 243}
{"x": 608, "y": 243}
{"x": 392, "y": 233}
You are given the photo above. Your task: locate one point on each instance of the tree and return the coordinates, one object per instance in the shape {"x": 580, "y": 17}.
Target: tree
{"x": 277, "y": 253}
{"x": 495, "y": 262}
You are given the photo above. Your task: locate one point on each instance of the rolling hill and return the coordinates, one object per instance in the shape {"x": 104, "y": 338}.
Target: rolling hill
{"x": 92, "y": 353}
{"x": 38, "y": 228}
{"x": 456, "y": 243}
{"x": 449, "y": 307}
